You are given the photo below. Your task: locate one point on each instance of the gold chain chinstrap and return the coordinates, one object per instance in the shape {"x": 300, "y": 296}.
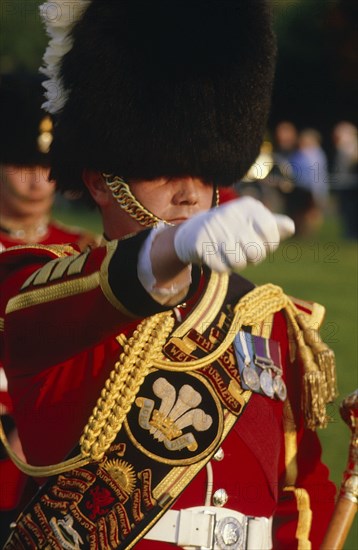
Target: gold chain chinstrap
{"x": 128, "y": 202}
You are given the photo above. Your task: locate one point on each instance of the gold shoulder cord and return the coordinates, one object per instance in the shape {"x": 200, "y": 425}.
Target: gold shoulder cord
{"x": 144, "y": 351}
{"x": 115, "y": 400}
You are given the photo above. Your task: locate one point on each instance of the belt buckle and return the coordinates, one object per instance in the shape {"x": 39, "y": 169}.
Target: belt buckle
{"x": 231, "y": 533}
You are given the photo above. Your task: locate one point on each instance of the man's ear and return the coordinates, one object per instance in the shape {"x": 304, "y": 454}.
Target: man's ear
{"x": 97, "y": 187}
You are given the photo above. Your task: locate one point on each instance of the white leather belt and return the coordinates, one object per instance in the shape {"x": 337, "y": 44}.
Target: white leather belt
{"x": 212, "y": 528}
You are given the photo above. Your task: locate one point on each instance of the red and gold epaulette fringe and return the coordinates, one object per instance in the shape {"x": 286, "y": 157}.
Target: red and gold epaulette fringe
{"x": 319, "y": 378}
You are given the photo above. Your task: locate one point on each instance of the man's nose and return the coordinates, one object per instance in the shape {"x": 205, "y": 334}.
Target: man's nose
{"x": 37, "y": 176}
{"x": 186, "y": 192}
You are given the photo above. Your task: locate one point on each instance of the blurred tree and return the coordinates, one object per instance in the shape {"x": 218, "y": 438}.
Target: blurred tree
{"x": 342, "y": 34}
{"x": 23, "y": 38}
{"x": 316, "y": 80}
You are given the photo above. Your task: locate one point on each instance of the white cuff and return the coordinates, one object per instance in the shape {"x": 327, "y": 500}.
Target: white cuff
{"x": 162, "y": 295}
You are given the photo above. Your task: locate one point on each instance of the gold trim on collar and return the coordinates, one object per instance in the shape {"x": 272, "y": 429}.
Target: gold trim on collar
{"x": 207, "y": 309}
{"x": 204, "y": 313}
{"x": 2, "y": 324}
{"x": 104, "y": 284}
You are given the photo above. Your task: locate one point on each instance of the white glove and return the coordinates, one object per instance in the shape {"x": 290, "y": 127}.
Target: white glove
{"x": 231, "y": 236}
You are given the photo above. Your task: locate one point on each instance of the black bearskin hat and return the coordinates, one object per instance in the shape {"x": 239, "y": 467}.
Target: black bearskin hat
{"x": 26, "y": 131}
{"x": 164, "y": 88}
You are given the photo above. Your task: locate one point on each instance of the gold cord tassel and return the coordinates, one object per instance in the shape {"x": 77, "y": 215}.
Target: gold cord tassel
{"x": 323, "y": 355}
{"x": 314, "y": 387}
{"x": 313, "y": 402}
{"x": 326, "y": 362}
{"x": 314, "y": 390}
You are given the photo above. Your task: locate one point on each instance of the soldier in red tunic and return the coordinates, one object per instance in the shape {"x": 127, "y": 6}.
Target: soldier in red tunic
{"x": 27, "y": 195}
{"x": 161, "y": 399}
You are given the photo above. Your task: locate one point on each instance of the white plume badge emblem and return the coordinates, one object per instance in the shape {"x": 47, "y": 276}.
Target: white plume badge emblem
{"x": 175, "y": 413}
{"x": 179, "y": 418}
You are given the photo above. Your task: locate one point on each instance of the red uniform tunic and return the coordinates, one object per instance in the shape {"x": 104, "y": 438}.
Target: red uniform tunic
{"x": 55, "y": 233}
{"x": 68, "y": 311}
{"x": 12, "y": 480}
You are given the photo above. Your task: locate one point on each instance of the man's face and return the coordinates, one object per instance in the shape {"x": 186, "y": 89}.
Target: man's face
{"x": 286, "y": 136}
{"x": 25, "y": 191}
{"x": 174, "y": 200}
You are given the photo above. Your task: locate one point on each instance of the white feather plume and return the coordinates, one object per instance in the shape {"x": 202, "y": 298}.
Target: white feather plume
{"x": 59, "y": 17}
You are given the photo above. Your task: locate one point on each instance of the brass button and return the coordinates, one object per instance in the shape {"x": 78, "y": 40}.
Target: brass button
{"x": 219, "y": 455}
{"x": 220, "y": 497}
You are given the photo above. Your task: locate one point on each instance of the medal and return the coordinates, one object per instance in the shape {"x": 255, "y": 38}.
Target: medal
{"x": 266, "y": 383}
{"x": 251, "y": 378}
{"x": 259, "y": 361}
{"x": 279, "y": 387}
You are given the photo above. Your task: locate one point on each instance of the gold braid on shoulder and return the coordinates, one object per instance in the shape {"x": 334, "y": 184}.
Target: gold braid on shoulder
{"x": 123, "y": 384}
{"x": 115, "y": 400}
{"x": 143, "y": 351}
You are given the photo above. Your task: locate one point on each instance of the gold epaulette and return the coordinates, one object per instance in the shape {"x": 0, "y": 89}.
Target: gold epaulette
{"x": 319, "y": 378}
{"x": 312, "y": 311}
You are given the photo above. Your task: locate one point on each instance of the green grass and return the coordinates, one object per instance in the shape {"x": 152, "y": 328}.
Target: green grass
{"x": 324, "y": 269}
{"x": 73, "y": 214}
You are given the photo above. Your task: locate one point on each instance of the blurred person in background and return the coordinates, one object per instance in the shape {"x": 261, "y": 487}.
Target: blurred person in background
{"x": 26, "y": 199}
{"x": 270, "y": 178}
{"x": 26, "y": 193}
{"x": 258, "y": 182}
{"x": 308, "y": 200}
{"x": 285, "y": 141}
{"x": 280, "y": 177}
{"x": 344, "y": 177}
